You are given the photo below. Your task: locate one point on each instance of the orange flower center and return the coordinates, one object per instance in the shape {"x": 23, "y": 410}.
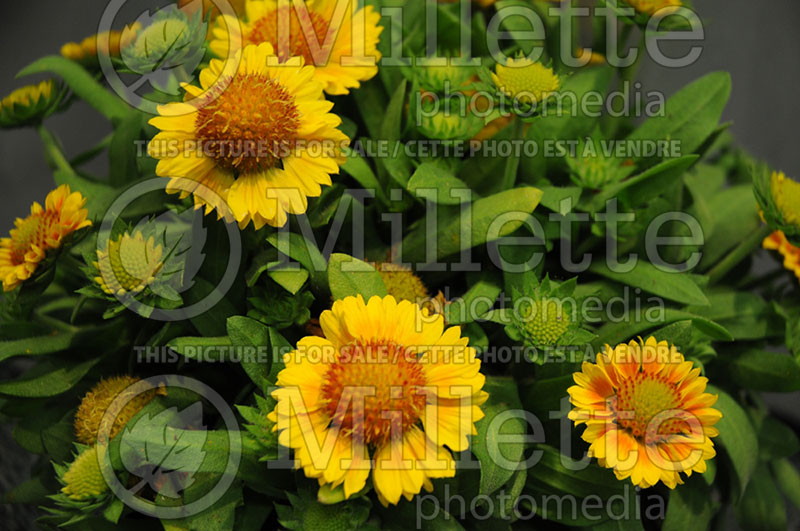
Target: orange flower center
{"x": 383, "y": 380}
{"x": 293, "y": 39}
{"x": 34, "y": 230}
{"x": 641, "y": 399}
{"x": 249, "y": 125}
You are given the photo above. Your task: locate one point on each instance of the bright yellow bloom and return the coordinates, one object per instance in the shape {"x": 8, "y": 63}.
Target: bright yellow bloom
{"x": 386, "y": 389}
{"x": 107, "y": 43}
{"x": 786, "y": 195}
{"x": 96, "y": 402}
{"x": 791, "y": 254}
{"x": 650, "y": 7}
{"x": 29, "y": 95}
{"x": 128, "y": 264}
{"x": 30, "y": 104}
{"x": 44, "y": 229}
{"x": 259, "y": 137}
{"x": 83, "y": 479}
{"x": 525, "y": 80}
{"x": 646, "y": 412}
{"x": 343, "y": 44}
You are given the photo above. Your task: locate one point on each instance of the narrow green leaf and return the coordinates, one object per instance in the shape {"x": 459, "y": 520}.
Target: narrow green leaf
{"x": 675, "y": 286}
{"x": 82, "y": 84}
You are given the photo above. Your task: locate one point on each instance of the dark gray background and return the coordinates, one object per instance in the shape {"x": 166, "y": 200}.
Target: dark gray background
{"x": 757, "y": 42}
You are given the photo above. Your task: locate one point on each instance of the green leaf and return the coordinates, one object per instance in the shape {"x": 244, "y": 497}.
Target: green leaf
{"x": 48, "y": 378}
{"x": 766, "y": 371}
{"x": 254, "y": 336}
{"x": 500, "y": 442}
{"x": 433, "y": 182}
{"x": 690, "y": 507}
{"x": 123, "y": 149}
{"x": 776, "y": 440}
{"x": 82, "y": 84}
{"x": 762, "y": 506}
{"x": 552, "y": 196}
{"x": 359, "y": 169}
{"x": 628, "y": 327}
{"x": 735, "y": 215}
{"x": 745, "y": 315}
{"x": 475, "y": 302}
{"x": 691, "y": 115}
{"x": 210, "y": 348}
{"x": 738, "y": 437}
{"x": 474, "y": 221}
{"x": 298, "y": 248}
{"x": 35, "y": 346}
{"x": 675, "y": 286}
{"x": 788, "y": 479}
{"x": 348, "y": 276}
{"x": 292, "y": 280}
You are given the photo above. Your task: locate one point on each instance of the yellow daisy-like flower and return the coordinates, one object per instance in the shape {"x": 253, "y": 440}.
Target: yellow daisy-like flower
{"x": 786, "y": 196}
{"x": 385, "y": 390}
{"x": 128, "y": 264}
{"x": 107, "y": 43}
{"x": 650, "y": 7}
{"x": 343, "y": 43}
{"x": 255, "y": 136}
{"x": 83, "y": 479}
{"x": 791, "y": 254}
{"x": 29, "y": 95}
{"x": 96, "y": 402}
{"x": 44, "y": 229}
{"x": 646, "y": 412}
{"x": 30, "y": 104}
{"x": 526, "y": 81}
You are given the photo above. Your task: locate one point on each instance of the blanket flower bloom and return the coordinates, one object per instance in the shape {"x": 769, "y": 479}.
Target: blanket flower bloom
{"x": 30, "y": 104}
{"x": 44, "y": 229}
{"x": 96, "y": 402}
{"x": 526, "y": 81}
{"x": 777, "y": 241}
{"x": 646, "y": 412}
{"x": 128, "y": 264}
{"x": 387, "y": 389}
{"x": 343, "y": 43}
{"x": 83, "y": 479}
{"x": 256, "y": 137}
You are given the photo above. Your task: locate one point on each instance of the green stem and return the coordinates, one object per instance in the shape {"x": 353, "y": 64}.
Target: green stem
{"x": 512, "y": 162}
{"x": 739, "y": 253}
{"x": 52, "y": 151}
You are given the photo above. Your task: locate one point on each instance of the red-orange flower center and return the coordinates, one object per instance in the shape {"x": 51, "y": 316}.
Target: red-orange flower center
{"x": 643, "y": 406}
{"x": 249, "y": 125}
{"x": 385, "y": 380}
{"x": 293, "y": 41}
{"x": 34, "y": 230}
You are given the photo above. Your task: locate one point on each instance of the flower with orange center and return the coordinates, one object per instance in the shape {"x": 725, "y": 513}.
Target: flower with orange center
{"x": 340, "y": 43}
{"x": 646, "y": 413}
{"x": 791, "y": 254}
{"x": 387, "y": 389}
{"x": 44, "y": 229}
{"x": 255, "y": 137}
